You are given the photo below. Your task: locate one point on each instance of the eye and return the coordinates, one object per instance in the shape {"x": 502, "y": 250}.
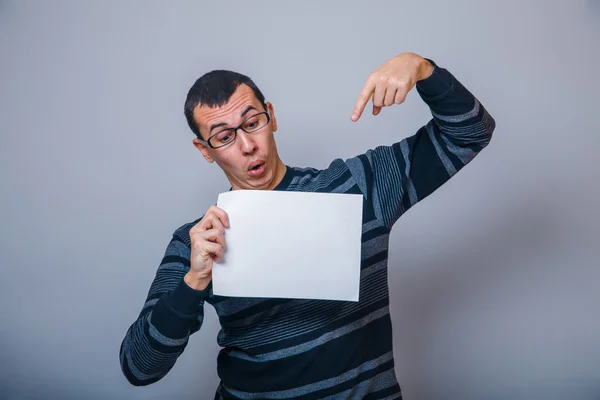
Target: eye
{"x": 252, "y": 123}
{"x": 224, "y": 136}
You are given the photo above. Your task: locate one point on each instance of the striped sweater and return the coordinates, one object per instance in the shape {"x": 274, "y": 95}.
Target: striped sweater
{"x": 315, "y": 349}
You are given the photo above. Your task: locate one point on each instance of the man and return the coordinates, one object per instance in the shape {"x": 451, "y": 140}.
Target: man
{"x": 295, "y": 348}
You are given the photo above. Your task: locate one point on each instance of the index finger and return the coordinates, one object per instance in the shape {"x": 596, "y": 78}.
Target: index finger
{"x": 220, "y": 214}
{"x": 363, "y": 98}
{"x": 209, "y": 221}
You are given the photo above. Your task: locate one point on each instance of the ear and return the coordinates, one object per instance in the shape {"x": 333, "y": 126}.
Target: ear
{"x": 272, "y": 114}
{"x": 203, "y": 149}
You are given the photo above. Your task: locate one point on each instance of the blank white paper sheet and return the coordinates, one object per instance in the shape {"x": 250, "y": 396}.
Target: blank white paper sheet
{"x": 290, "y": 245}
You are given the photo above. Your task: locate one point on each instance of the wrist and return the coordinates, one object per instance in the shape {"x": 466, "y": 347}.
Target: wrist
{"x": 196, "y": 281}
{"x": 425, "y": 69}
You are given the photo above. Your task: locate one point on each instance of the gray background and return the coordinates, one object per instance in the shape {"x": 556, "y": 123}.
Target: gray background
{"x": 494, "y": 279}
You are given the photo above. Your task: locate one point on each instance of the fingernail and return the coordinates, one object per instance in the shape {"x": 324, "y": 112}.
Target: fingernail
{"x": 354, "y": 116}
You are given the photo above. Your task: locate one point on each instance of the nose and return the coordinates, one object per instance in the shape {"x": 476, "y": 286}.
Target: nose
{"x": 246, "y": 142}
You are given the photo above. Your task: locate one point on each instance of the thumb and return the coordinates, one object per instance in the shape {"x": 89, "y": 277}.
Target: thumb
{"x": 376, "y": 110}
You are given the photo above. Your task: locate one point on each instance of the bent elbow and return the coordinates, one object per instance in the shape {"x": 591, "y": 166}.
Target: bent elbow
{"x": 131, "y": 372}
{"x": 489, "y": 126}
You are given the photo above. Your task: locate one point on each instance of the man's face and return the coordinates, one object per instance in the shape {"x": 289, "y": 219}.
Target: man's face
{"x": 251, "y": 161}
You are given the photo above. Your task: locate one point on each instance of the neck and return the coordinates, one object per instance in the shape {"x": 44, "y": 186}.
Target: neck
{"x": 278, "y": 176}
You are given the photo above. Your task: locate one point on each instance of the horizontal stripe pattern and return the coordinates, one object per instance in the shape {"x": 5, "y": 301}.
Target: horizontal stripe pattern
{"x": 305, "y": 349}
{"x": 317, "y": 386}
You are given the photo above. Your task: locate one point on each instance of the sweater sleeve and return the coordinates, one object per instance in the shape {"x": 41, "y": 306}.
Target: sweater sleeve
{"x": 171, "y": 313}
{"x": 394, "y": 178}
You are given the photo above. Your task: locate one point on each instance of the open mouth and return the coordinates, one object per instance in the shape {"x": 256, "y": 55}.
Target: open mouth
{"x": 256, "y": 169}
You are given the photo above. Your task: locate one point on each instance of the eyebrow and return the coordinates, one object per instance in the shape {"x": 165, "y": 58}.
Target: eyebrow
{"x": 219, "y": 124}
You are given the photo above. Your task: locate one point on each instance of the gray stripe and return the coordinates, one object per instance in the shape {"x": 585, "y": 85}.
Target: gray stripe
{"x": 374, "y": 246}
{"x": 319, "y": 316}
{"x": 388, "y": 179}
{"x": 313, "y": 387}
{"x": 344, "y": 186}
{"x": 461, "y": 117}
{"x": 464, "y": 154}
{"x": 309, "y": 184}
{"x": 412, "y": 192}
{"x": 398, "y": 195}
{"x": 165, "y": 280}
{"x": 330, "y": 175}
{"x": 176, "y": 248}
{"x": 373, "y": 268}
{"x": 311, "y": 318}
{"x": 380, "y": 381}
{"x": 357, "y": 170}
{"x": 146, "y": 357}
{"x": 375, "y": 201}
{"x": 471, "y": 132}
{"x": 149, "y": 303}
{"x": 306, "y": 346}
{"x": 173, "y": 266}
{"x": 162, "y": 339}
{"x": 369, "y": 226}
{"x": 135, "y": 371}
{"x": 443, "y": 156}
{"x": 295, "y": 308}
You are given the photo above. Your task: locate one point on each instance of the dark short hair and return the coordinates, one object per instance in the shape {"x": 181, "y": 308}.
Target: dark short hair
{"x": 214, "y": 89}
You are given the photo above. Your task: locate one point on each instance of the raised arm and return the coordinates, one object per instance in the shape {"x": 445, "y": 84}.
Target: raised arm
{"x": 396, "y": 177}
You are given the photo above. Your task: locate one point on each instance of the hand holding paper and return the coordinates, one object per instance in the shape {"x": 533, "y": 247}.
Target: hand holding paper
{"x": 207, "y": 246}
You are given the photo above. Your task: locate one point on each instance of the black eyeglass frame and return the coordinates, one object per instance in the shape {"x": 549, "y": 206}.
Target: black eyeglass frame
{"x": 240, "y": 126}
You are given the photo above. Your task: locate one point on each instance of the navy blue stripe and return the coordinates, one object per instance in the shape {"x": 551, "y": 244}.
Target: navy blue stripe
{"x": 374, "y": 259}
{"x": 265, "y": 305}
{"x": 175, "y": 259}
{"x": 307, "y": 337}
{"x": 382, "y": 394}
{"x": 354, "y": 189}
{"x": 373, "y": 233}
{"x": 368, "y": 212}
{"x": 156, "y": 345}
{"x": 349, "y": 384}
{"x": 168, "y": 323}
{"x": 131, "y": 378}
{"x": 374, "y": 340}
{"x": 427, "y": 170}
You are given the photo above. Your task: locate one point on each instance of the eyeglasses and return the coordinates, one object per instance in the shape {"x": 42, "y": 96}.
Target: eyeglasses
{"x": 227, "y": 136}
